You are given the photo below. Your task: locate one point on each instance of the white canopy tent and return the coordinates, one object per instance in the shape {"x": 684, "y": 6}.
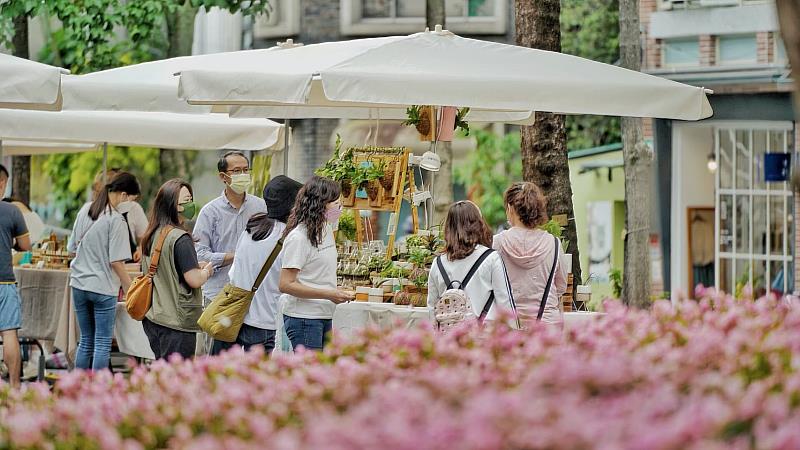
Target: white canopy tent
{"x": 21, "y": 148}
{"x": 146, "y": 129}
{"x": 27, "y": 84}
{"x": 153, "y": 86}
{"x": 84, "y": 130}
{"x": 436, "y": 68}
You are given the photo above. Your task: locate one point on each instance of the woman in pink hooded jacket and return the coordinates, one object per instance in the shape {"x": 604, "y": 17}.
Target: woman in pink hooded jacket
{"x": 528, "y": 252}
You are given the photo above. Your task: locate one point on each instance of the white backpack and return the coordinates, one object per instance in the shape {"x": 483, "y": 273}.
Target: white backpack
{"x": 454, "y": 306}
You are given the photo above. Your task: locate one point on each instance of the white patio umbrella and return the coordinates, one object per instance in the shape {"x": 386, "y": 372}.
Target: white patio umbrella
{"x": 146, "y": 129}
{"x": 135, "y": 128}
{"x": 153, "y": 86}
{"x": 436, "y": 68}
{"x": 27, "y": 84}
{"x": 21, "y": 148}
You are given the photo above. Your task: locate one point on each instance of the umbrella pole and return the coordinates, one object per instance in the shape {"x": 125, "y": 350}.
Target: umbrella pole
{"x": 105, "y": 162}
{"x": 1, "y": 149}
{"x": 286, "y": 130}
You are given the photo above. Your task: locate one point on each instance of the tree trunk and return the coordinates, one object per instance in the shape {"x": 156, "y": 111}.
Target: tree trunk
{"x": 638, "y": 161}
{"x": 21, "y": 165}
{"x": 180, "y": 30}
{"x": 180, "y": 36}
{"x": 442, "y": 181}
{"x": 544, "y": 144}
{"x": 789, "y": 21}
{"x": 434, "y": 13}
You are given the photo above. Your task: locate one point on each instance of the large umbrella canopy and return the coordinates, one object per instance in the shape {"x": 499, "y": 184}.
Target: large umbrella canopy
{"x": 146, "y": 129}
{"x": 153, "y": 86}
{"x": 439, "y": 68}
{"x": 17, "y": 148}
{"x": 27, "y": 84}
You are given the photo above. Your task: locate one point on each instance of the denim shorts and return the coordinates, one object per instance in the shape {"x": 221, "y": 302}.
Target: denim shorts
{"x": 10, "y": 308}
{"x": 310, "y": 333}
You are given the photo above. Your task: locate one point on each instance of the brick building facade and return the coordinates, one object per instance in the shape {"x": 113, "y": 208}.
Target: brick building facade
{"x": 732, "y": 47}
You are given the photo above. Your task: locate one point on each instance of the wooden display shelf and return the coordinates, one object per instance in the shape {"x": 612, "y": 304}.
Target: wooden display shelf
{"x": 566, "y": 299}
{"x": 398, "y": 157}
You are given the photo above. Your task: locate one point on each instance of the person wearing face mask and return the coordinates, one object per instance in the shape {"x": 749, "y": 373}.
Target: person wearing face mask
{"x": 171, "y": 323}
{"x": 222, "y": 221}
{"x": 308, "y": 270}
{"x": 255, "y": 246}
{"x": 98, "y": 270}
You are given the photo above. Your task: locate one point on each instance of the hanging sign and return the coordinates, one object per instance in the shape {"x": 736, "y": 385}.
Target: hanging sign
{"x": 776, "y": 166}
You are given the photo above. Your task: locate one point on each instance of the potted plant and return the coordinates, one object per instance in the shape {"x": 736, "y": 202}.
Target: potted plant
{"x": 371, "y": 174}
{"x": 341, "y": 167}
{"x": 347, "y": 227}
{"x": 461, "y": 121}
{"x": 421, "y": 118}
{"x": 388, "y": 178}
{"x": 557, "y": 230}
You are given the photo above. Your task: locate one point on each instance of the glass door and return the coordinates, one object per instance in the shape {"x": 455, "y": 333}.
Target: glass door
{"x": 753, "y": 218}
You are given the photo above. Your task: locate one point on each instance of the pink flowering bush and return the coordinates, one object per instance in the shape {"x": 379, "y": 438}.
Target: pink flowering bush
{"x": 716, "y": 374}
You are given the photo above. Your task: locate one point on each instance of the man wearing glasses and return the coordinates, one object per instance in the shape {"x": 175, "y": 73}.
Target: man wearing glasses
{"x": 221, "y": 221}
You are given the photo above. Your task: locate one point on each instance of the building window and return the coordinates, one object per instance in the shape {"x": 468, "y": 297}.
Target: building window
{"x": 737, "y": 49}
{"x": 680, "y": 52}
{"x": 283, "y": 20}
{"x": 381, "y": 17}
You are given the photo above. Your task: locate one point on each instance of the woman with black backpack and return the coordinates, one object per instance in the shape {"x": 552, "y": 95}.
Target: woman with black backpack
{"x": 469, "y": 281}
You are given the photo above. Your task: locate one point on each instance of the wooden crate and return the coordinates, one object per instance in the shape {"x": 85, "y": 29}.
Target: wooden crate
{"x": 566, "y": 299}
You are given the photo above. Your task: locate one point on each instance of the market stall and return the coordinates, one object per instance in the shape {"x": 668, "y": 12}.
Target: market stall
{"x": 48, "y": 314}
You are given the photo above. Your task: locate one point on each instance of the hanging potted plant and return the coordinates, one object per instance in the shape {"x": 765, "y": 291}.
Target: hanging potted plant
{"x": 372, "y": 173}
{"x": 461, "y": 121}
{"x": 423, "y": 118}
{"x": 341, "y": 167}
{"x": 388, "y": 178}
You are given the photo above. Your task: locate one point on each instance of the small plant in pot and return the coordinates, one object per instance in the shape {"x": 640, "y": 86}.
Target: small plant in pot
{"x": 367, "y": 178}
{"x": 387, "y": 180}
{"x": 341, "y": 167}
{"x": 421, "y": 118}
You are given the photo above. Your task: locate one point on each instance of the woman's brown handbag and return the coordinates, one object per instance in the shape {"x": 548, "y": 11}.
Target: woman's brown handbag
{"x": 140, "y": 294}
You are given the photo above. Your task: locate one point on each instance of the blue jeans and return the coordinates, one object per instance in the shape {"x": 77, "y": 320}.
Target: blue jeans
{"x": 310, "y": 333}
{"x": 96, "y": 314}
{"x": 249, "y": 336}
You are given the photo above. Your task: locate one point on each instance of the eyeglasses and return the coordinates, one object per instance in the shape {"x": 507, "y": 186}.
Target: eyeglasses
{"x": 238, "y": 171}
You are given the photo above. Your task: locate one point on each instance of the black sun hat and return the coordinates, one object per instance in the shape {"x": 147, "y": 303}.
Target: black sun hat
{"x": 279, "y": 195}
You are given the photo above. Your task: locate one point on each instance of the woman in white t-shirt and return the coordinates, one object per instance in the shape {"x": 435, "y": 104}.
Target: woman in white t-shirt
{"x": 470, "y": 264}
{"x": 308, "y": 275}
{"x": 255, "y": 245}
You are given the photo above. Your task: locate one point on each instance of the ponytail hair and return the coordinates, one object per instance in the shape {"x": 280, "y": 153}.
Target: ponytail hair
{"x": 260, "y": 226}
{"x": 123, "y": 182}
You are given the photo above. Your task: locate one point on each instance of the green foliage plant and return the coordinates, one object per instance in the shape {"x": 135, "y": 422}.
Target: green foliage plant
{"x": 461, "y": 121}
{"x": 489, "y": 170}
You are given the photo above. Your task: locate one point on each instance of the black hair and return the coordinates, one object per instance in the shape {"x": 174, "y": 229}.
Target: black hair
{"x": 164, "y": 211}
{"x": 260, "y": 226}
{"x": 123, "y": 182}
{"x": 309, "y": 208}
{"x": 4, "y": 171}
{"x": 222, "y": 164}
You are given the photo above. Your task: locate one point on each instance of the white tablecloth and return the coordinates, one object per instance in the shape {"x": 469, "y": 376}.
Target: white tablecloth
{"x": 351, "y": 317}
{"x": 130, "y": 336}
{"x": 576, "y": 319}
